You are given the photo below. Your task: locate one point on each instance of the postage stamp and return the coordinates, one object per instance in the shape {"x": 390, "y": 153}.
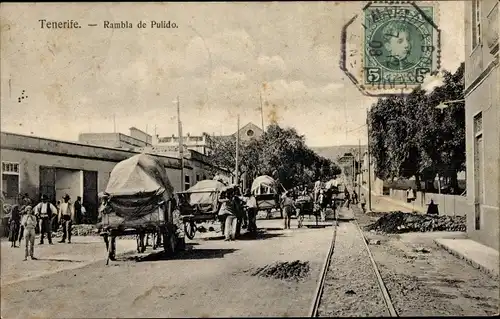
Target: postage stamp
{"x": 401, "y": 44}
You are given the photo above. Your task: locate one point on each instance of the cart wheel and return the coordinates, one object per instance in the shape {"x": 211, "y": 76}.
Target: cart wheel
{"x": 190, "y": 229}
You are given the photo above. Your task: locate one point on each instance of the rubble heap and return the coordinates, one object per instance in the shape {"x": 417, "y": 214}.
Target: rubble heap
{"x": 78, "y": 230}
{"x": 399, "y": 222}
{"x": 294, "y": 270}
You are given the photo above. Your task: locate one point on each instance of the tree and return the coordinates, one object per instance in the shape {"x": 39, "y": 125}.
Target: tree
{"x": 279, "y": 152}
{"x": 443, "y": 140}
{"x": 410, "y": 137}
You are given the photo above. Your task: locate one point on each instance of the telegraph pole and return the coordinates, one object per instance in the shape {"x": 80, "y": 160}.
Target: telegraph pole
{"x": 261, "y": 111}
{"x": 369, "y": 164}
{"x": 238, "y": 152}
{"x": 181, "y": 144}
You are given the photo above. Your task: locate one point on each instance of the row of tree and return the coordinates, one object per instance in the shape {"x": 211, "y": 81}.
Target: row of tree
{"x": 410, "y": 137}
{"x": 279, "y": 152}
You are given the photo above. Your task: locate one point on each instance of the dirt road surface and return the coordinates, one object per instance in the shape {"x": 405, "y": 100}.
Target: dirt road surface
{"x": 212, "y": 279}
{"x": 425, "y": 280}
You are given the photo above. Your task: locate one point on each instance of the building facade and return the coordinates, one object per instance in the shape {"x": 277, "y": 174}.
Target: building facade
{"x": 170, "y": 144}
{"x": 39, "y": 166}
{"x": 482, "y": 120}
{"x": 201, "y": 144}
{"x": 137, "y": 138}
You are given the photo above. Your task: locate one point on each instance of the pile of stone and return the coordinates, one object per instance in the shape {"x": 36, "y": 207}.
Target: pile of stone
{"x": 295, "y": 270}
{"x": 79, "y": 230}
{"x": 399, "y": 222}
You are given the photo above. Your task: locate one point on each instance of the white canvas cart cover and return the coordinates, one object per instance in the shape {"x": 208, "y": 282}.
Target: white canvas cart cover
{"x": 137, "y": 186}
{"x": 205, "y": 192}
{"x": 264, "y": 185}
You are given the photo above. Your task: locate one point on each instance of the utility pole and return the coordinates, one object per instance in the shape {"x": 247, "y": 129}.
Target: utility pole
{"x": 359, "y": 167}
{"x": 181, "y": 144}
{"x": 114, "y": 123}
{"x": 369, "y": 164}
{"x": 238, "y": 152}
{"x": 261, "y": 111}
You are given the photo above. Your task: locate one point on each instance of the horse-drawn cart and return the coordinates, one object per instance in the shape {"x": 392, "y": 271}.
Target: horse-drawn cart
{"x": 199, "y": 204}
{"x": 265, "y": 191}
{"x": 138, "y": 200}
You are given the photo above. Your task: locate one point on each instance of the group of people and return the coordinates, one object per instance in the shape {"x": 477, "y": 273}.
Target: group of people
{"x": 25, "y": 220}
{"x": 236, "y": 212}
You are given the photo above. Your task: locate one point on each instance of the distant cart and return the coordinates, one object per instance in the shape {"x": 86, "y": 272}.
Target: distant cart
{"x": 199, "y": 204}
{"x": 138, "y": 200}
{"x": 265, "y": 191}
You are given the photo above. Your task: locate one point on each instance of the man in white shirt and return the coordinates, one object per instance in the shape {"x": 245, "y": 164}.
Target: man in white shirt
{"x": 44, "y": 212}
{"x": 66, "y": 218}
{"x": 251, "y": 205}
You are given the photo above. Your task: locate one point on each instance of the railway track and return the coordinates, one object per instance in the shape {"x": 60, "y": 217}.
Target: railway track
{"x": 314, "y": 310}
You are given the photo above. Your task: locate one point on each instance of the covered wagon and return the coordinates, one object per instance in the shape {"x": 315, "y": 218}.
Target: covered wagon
{"x": 138, "y": 200}
{"x": 200, "y": 203}
{"x": 265, "y": 191}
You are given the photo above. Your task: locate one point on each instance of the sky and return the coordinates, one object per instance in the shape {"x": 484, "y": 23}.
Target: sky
{"x": 219, "y": 61}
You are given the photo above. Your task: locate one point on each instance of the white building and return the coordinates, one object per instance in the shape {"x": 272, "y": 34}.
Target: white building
{"x": 482, "y": 120}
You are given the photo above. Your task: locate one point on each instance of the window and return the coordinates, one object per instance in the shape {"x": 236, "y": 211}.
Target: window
{"x": 478, "y": 123}
{"x": 197, "y": 177}
{"x": 10, "y": 179}
{"x": 476, "y": 23}
{"x": 187, "y": 182}
{"x": 250, "y": 133}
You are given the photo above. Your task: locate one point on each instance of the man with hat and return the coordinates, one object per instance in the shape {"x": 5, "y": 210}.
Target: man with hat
{"x": 66, "y": 218}
{"x": 44, "y": 212}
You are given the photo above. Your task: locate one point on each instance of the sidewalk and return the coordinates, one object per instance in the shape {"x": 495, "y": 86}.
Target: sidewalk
{"x": 82, "y": 251}
{"x": 382, "y": 203}
{"x": 478, "y": 255}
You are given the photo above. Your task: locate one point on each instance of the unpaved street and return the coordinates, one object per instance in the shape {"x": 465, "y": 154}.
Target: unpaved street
{"x": 213, "y": 278}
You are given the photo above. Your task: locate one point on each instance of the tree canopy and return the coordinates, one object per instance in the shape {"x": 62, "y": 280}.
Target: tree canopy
{"x": 410, "y": 137}
{"x": 278, "y": 152}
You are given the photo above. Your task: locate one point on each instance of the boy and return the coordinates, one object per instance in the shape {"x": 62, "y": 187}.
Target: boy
{"x": 29, "y": 223}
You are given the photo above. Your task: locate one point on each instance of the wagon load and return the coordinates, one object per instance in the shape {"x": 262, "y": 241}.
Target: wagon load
{"x": 137, "y": 188}
{"x": 203, "y": 196}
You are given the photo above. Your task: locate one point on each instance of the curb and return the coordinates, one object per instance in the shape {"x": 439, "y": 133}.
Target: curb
{"x": 415, "y": 208}
{"x": 471, "y": 262}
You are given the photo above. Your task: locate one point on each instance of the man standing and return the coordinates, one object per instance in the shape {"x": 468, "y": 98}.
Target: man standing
{"x": 29, "y": 223}
{"x": 288, "y": 205}
{"x": 317, "y": 188}
{"x": 347, "y": 198}
{"x": 66, "y": 218}
{"x": 251, "y": 204}
{"x": 228, "y": 210}
{"x": 78, "y": 210}
{"x": 363, "y": 202}
{"x": 44, "y": 212}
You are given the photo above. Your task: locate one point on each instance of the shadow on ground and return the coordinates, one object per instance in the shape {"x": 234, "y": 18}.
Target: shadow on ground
{"x": 189, "y": 254}
{"x": 260, "y": 235}
{"x": 60, "y": 260}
